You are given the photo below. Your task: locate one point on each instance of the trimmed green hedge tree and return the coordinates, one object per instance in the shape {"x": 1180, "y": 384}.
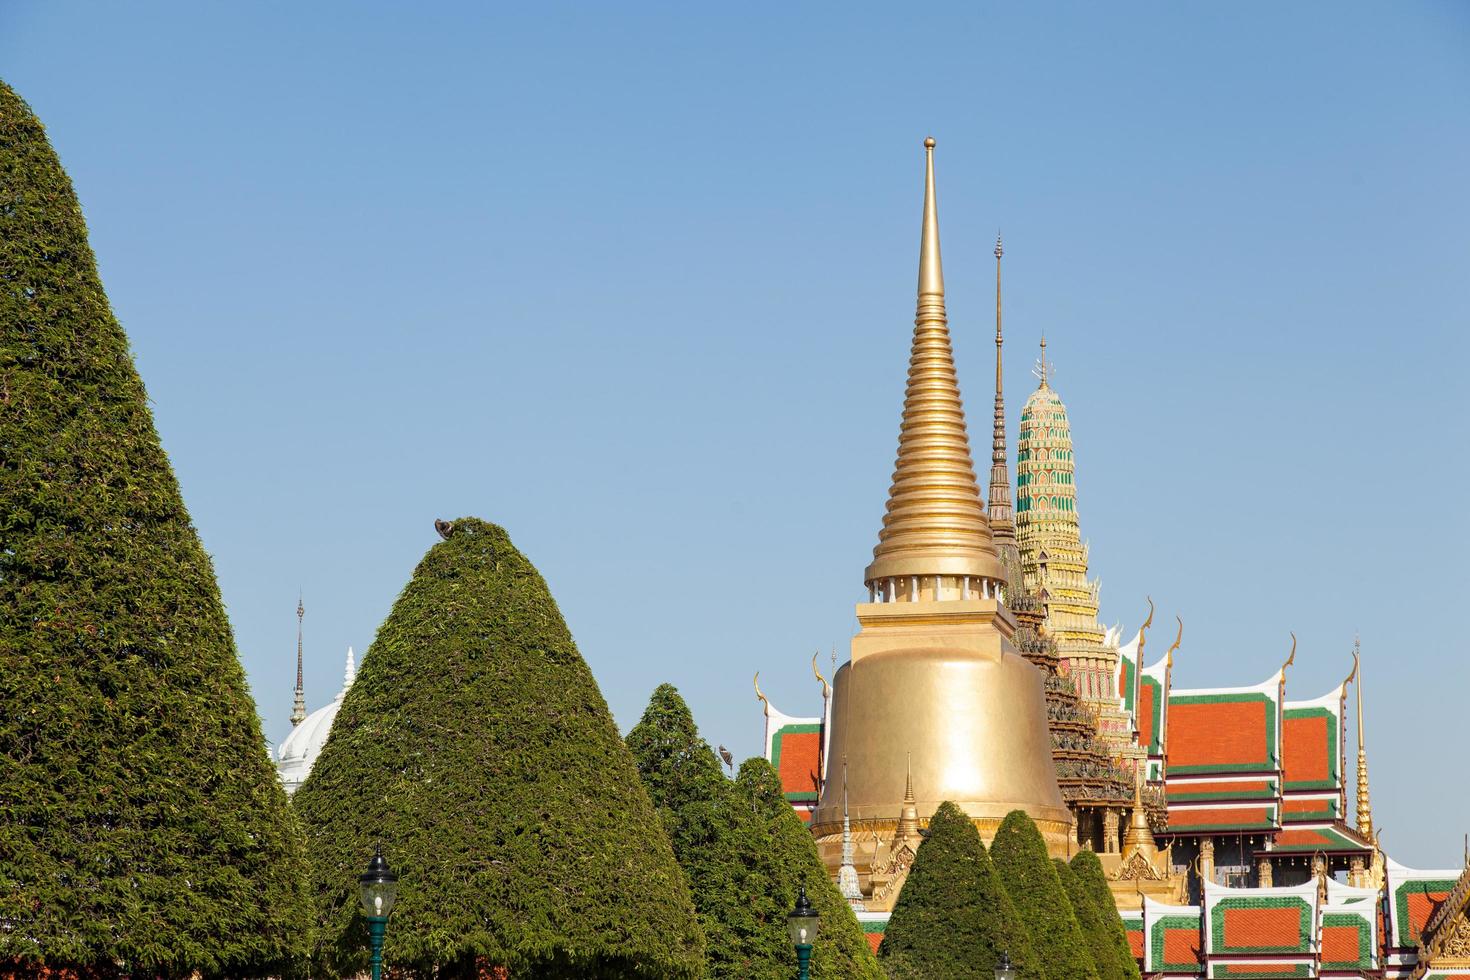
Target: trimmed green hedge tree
{"x": 954, "y": 917}
{"x": 1089, "y": 872}
{"x": 1020, "y": 857}
{"x": 477, "y": 749}
{"x": 1095, "y": 938}
{"x": 842, "y": 951}
{"x": 723, "y": 847}
{"x": 142, "y": 827}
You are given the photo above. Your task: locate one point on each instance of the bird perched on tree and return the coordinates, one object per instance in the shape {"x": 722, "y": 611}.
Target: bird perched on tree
{"x": 729, "y": 759}
{"x": 444, "y": 528}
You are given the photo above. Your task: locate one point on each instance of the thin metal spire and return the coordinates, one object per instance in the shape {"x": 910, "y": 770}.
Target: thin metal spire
{"x": 1002, "y": 519}
{"x": 298, "y": 707}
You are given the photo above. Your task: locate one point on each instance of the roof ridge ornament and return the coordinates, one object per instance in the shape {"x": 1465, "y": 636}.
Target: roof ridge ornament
{"x": 1177, "y": 640}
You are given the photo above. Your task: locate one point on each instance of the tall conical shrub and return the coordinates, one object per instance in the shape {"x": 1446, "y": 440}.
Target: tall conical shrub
{"x": 953, "y": 918}
{"x": 1095, "y": 938}
{"x": 1089, "y": 872}
{"x": 723, "y": 847}
{"x": 476, "y": 748}
{"x": 842, "y": 951}
{"x": 142, "y": 828}
{"x": 1029, "y": 877}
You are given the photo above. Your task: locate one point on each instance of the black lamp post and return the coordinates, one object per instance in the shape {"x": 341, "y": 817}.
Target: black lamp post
{"x": 802, "y": 923}
{"x": 377, "y": 887}
{"x": 1003, "y": 968}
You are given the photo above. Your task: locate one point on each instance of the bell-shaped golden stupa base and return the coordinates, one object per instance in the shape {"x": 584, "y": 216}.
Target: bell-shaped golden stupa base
{"x": 936, "y": 692}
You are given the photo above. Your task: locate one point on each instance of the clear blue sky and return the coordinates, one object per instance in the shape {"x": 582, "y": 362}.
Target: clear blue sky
{"x": 638, "y": 284}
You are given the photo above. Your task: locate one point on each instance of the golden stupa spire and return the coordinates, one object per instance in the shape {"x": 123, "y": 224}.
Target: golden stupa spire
{"x": 1365, "y": 806}
{"x": 935, "y": 521}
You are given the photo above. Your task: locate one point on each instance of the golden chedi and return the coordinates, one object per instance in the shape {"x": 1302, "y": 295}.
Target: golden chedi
{"x": 935, "y": 692}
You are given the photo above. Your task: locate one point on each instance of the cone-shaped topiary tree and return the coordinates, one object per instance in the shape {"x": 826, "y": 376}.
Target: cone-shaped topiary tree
{"x": 954, "y": 917}
{"x": 476, "y": 748}
{"x": 1031, "y": 880}
{"x": 723, "y": 847}
{"x": 1089, "y": 872}
{"x": 1095, "y": 938}
{"x": 842, "y": 951}
{"x": 142, "y": 828}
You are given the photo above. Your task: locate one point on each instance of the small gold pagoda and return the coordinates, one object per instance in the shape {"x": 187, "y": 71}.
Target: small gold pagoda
{"x": 935, "y": 703}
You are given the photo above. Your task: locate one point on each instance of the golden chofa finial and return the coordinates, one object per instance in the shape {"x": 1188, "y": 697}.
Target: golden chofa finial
{"x": 1177, "y": 640}
{"x": 1291, "y": 659}
{"x": 765, "y": 704}
{"x": 934, "y": 527}
{"x": 826, "y": 688}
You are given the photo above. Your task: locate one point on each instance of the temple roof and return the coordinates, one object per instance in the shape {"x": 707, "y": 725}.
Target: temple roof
{"x": 1219, "y": 731}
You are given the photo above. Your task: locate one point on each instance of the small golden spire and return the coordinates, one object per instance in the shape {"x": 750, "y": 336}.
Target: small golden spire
{"x": 908, "y": 818}
{"x": 1139, "y": 836}
{"x": 1041, "y": 368}
{"x": 1365, "y": 805}
{"x": 935, "y": 522}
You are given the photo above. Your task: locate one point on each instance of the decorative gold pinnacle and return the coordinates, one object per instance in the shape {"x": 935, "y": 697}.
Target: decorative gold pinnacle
{"x": 908, "y": 818}
{"x": 1365, "y": 806}
{"x": 935, "y": 521}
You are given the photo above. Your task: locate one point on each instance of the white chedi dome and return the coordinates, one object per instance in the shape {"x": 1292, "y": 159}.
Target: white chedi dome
{"x": 298, "y": 752}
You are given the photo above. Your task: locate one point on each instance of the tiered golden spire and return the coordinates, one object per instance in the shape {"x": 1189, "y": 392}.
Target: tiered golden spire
{"x": 1365, "y": 806}
{"x": 935, "y": 520}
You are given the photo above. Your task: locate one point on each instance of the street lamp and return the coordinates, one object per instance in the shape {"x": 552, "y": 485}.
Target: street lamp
{"x": 377, "y": 887}
{"x": 1003, "y": 968}
{"x": 802, "y": 923}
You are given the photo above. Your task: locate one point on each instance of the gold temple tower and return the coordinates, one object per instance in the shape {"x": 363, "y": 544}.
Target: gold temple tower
{"x": 935, "y": 703}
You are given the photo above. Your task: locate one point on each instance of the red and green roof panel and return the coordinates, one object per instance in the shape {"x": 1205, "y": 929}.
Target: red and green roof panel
{"x": 1221, "y": 819}
{"x": 1258, "y": 921}
{"x": 1224, "y": 731}
{"x": 1220, "y": 790}
{"x": 1326, "y": 838}
{"x": 1152, "y": 696}
{"x": 1173, "y": 939}
{"x": 796, "y": 752}
{"x": 873, "y": 924}
{"x": 1346, "y": 940}
{"x": 1312, "y": 743}
{"x": 1311, "y": 809}
{"x": 1259, "y": 969}
{"x": 1133, "y": 926}
{"x": 1414, "y": 896}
